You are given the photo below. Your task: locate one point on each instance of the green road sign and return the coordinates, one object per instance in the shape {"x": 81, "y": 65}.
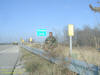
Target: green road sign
{"x": 41, "y": 32}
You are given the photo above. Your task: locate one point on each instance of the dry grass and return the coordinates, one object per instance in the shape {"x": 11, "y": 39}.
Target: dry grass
{"x": 87, "y": 54}
{"x": 36, "y": 65}
{"x": 90, "y": 55}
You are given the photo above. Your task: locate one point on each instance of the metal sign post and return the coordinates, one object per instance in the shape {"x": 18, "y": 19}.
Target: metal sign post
{"x": 70, "y": 45}
{"x": 70, "y": 33}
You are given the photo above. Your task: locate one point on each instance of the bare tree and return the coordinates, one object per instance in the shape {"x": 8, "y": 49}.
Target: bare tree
{"x": 96, "y": 9}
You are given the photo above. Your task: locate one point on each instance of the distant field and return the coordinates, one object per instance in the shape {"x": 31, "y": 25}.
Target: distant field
{"x": 89, "y": 55}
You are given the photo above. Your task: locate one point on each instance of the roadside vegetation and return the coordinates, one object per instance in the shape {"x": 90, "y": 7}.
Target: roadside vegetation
{"x": 86, "y": 47}
{"x": 87, "y": 54}
{"x": 36, "y": 65}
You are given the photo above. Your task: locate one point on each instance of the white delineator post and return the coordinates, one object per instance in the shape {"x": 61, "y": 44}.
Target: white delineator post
{"x": 70, "y": 45}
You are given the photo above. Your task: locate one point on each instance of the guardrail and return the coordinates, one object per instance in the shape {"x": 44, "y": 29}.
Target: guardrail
{"x": 80, "y": 67}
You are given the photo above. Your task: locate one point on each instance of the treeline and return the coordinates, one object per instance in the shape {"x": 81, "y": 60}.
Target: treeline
{"x": 86, "y": 36}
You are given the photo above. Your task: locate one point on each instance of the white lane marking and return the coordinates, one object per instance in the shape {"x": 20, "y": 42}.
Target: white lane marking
{"x": 5, "y": 50}
{"x": 13, "y": 50}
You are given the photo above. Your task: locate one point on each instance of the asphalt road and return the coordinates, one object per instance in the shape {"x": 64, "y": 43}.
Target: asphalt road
{"x": 4, "y": 47}
{"x": 8, "y": 57}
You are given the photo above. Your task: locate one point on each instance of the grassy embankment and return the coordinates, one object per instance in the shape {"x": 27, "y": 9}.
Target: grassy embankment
{"x": 36, "y": 65}
{"x": 87, "y": 54}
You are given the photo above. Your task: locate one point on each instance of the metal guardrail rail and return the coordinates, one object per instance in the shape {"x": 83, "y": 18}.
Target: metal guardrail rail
{"x": 80, "y": 67}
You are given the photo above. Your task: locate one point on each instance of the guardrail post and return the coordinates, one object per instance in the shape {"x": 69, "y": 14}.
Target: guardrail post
{"x": 96, "y": 72}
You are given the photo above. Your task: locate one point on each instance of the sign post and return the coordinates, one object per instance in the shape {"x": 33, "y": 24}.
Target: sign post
{"x": 70, "y": 45}
{"x": 71, "y": 34}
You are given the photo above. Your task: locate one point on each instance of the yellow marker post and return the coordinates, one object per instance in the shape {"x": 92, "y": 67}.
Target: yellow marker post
{"x": 71, "y": 30}
{"x": 30, "y": 40}
{"x": 22, "y": 41}
{"x": 70, "y": 33}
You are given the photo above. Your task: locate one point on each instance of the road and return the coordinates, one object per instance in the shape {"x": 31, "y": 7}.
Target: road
{"x": 8, "y": 57}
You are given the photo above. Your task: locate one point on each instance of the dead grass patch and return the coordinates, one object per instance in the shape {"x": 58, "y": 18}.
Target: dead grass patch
{"x": 36, "y": 65}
